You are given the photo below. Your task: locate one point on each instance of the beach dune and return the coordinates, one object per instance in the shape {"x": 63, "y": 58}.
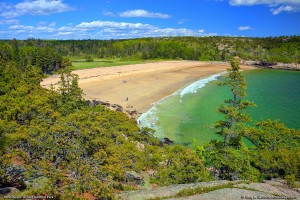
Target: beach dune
{"x": 137, "y": 87}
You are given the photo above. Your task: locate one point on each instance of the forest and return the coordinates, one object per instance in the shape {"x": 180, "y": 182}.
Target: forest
{"x": 53, "y": 143}
{"x": 51, "y": 55}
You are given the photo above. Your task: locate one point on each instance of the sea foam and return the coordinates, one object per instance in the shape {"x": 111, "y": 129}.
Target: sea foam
{"x": 194, "y": 87}
{"x": 149, "y": 118}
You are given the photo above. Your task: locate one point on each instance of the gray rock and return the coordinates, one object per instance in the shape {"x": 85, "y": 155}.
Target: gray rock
{"x": 241, "y": 191}
{"x": 8, "y": 190}
{"x": 132, "y": 176}
{"x": 270, "y": 189}
{"x": 167, "y": 191}
{"x": 120, "y": 109}
{"x": 229, "y": 194}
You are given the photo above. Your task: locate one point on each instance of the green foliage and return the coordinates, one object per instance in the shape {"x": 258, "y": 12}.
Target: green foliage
{"x": 38, "y": 52}
{"x": 230, "y": 156}
{"x": 200, "y": 151}
{"x": 71, "y": 95}
{"x": 81, "y": 152}
{"x": 77, "y": 151}
{"x": 10, "y": 77}
{"x": 44, "y": 57}
{"x": 181, "y": 165}
{"x": 232, "y": 163}
{"x": 234, "y": 108}
{"x": 277, "y": 149}
{"x": 89, "y": 58}
{"x": 291, "y": 180}
{"x": 66, "y": 62}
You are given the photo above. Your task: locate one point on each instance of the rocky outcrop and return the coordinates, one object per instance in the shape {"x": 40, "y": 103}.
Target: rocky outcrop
{"x": 228, "y": 194}
{"x": 272, "y": 65}
{"x": 274, "y": 189}
{"x": 132, "y": 176}
{"x": 286, "y": 66}
{"x": 167, "y": 191}
{"x": 8, "y": 191}
{"x": 131, "y": 113}
{"x": 167, "y": 141}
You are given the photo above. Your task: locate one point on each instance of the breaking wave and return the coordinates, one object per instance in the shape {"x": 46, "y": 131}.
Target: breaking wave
{"x": 150, "y": 118}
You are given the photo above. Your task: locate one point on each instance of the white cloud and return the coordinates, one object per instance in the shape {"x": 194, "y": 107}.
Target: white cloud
{"x": 52, "y": 24}
{"x": 96, "y": 30}
{"x": 143, "y": 13}
{"x": 175, "y": 32}
{"x": 108, "y": 14}
{"x": 181, "y": 21}
{"x": 65, "y": 33}
{"x": 117, "y": 25}
{"x": 35, "y": 7}
{"x": 261, "y": 2}
{"x": 9, "y": 21}
{"x": 245, "y": 28}
{"x": 276, "y": 6}
{"x": 21, "y": 27}
{"x": 30, "y": 29}
{"x": 276, "y": 11}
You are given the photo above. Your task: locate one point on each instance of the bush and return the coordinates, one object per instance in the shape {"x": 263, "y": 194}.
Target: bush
{"x": 89, "y": 58}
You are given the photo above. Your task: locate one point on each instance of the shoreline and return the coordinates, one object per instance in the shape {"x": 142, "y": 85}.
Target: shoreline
{"x": 133, "y": 89}
{"x": 271, "y": 65}
{"x": 145, "y": 119}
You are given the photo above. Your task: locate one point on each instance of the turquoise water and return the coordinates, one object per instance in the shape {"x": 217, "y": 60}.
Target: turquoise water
{"x": 185, "y": 116}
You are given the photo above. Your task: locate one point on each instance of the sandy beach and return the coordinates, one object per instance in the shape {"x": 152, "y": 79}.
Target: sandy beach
{"x": 137, "y": 87}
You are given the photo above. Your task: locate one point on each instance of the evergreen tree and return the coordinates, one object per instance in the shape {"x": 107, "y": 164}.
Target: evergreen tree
{"x": 234, "y": 109}
{"x": 71, "y": 94}
{"x": 230, "y": 156}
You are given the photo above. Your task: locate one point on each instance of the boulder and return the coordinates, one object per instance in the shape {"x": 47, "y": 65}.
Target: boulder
{"x": 133, "y": 112}
{"x": 8, "y": 190}
{"x": 88, "y": 102}
{"x": 132, "y": 176}
{"x": 167, "y": 141}
{"x": 95, "y": 102}
{"x": 120, "y": 109}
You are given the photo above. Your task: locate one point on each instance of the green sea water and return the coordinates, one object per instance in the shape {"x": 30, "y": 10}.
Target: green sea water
{"x": 183, "y": 118}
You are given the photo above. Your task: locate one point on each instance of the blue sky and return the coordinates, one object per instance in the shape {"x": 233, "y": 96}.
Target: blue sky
{"x": 118, "y": 19}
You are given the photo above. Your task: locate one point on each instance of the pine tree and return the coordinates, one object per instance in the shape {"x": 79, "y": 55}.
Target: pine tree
{"x": 231, "y": 157}
{"x": 234, "y": 109}
{"x": 71, "y": 93}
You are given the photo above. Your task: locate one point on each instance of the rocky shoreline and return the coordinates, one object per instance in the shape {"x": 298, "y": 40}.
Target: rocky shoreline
{"x": 129, "y": 111}
{"x": 270, "y": 65}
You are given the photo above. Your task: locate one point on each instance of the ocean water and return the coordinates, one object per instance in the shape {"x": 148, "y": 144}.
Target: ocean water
{"x": 189, "y": 113}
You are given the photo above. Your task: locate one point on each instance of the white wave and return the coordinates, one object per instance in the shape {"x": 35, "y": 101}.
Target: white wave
{"x": 194, "y": 87}
{"x": 149, "y": 118}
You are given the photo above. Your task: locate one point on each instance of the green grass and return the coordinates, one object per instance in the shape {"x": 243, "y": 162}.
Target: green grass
{"x": 82, "y": 64}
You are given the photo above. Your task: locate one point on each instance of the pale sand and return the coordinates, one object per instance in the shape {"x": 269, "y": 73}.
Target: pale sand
{"x": 142, "y": 84}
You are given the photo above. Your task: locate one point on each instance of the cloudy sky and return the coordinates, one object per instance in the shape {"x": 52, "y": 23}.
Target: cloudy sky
{"x": 118, "y": 19}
